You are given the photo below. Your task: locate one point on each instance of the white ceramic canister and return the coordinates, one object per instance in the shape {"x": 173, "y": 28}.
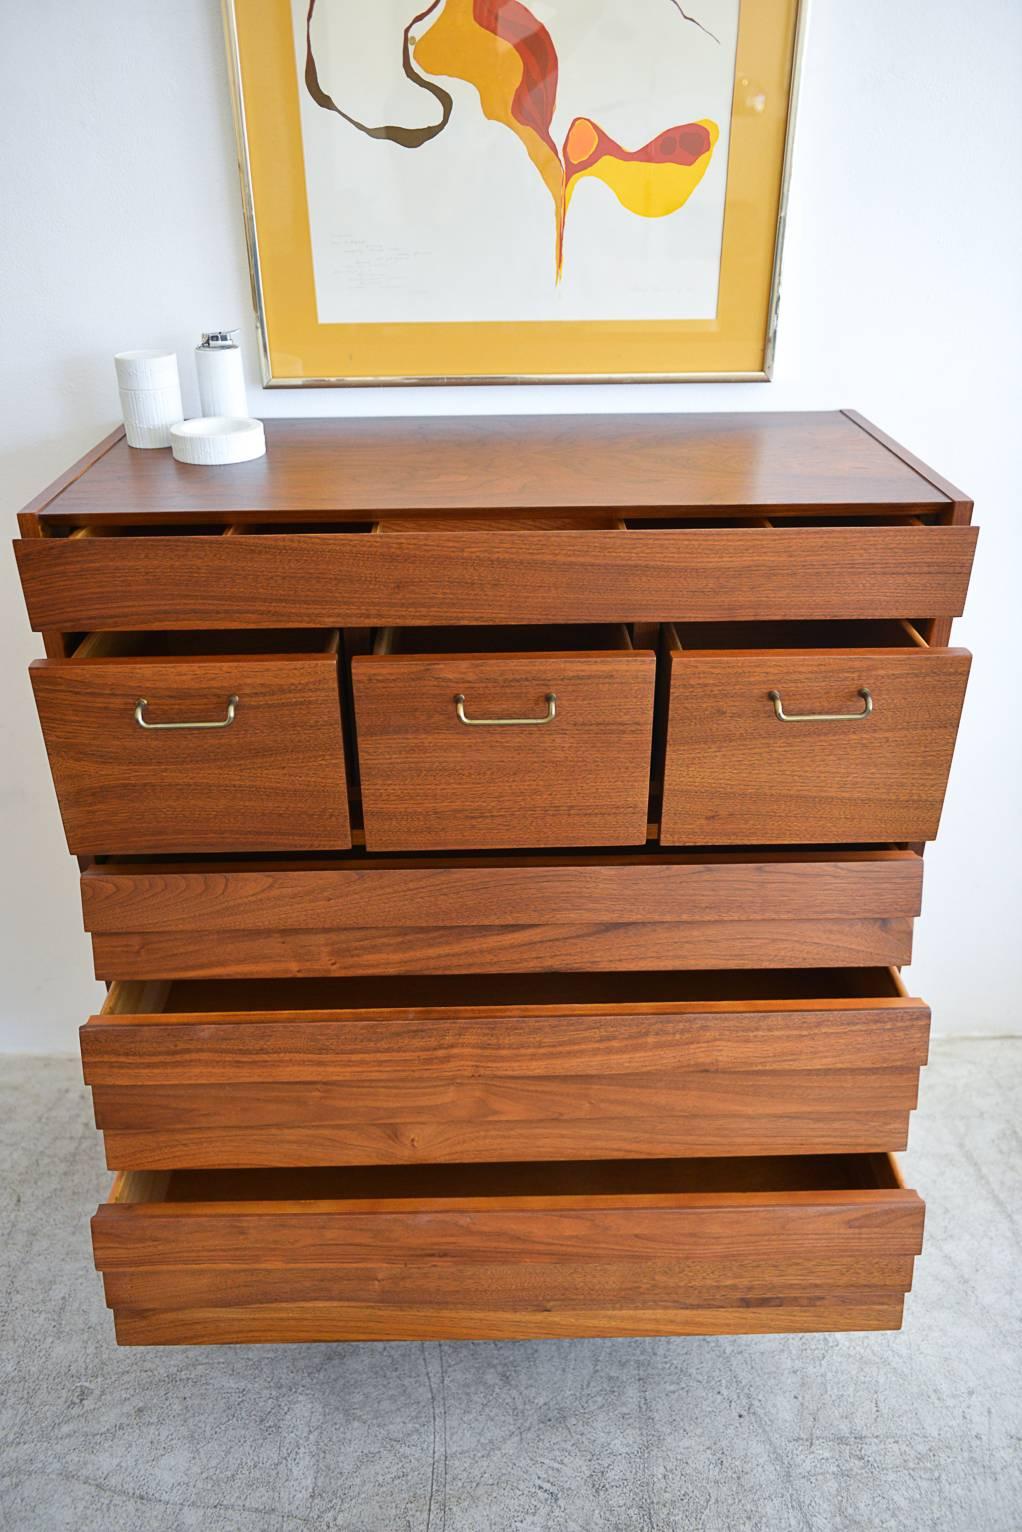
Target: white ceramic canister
{"x": 221, "y": 375}
{"x": 150, "y": 391}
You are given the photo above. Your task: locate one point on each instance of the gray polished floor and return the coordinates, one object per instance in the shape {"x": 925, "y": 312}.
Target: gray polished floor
{"x": 921, "y": 1430}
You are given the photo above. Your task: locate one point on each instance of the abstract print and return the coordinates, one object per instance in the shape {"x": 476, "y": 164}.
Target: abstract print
{"x": 502, "y": 50}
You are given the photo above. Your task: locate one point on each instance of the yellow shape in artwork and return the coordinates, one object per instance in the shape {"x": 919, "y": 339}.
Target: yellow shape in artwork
{"x": 499, "y": 47}
{"x": 653, "y": 181}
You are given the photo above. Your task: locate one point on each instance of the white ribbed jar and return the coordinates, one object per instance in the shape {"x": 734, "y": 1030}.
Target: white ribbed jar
{"x": 150, "y": 391}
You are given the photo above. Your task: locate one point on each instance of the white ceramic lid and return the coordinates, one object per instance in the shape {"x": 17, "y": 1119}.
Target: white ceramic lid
{"x": 146, "y": 369}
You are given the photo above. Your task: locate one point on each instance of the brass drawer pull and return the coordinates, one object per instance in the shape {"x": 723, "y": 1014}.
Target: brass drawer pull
{"x": 867, "y": 708}
{"x": 216, "y": 723}
{"x": 505, "y": 723}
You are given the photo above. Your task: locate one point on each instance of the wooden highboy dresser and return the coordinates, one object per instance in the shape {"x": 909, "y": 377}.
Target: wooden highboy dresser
{"x": 501, "y": 840}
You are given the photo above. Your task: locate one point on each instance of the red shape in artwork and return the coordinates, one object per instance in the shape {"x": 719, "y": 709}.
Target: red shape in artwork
{"x": 534, "y": 100}
{"x": 682, "y": 145}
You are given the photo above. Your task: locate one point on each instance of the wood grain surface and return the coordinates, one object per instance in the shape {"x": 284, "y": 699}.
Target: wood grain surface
{"x": 29, "y": 515}
{"x": 650, "y": 887}
{"x": 734, "y": 773}
{"x": 209, "y": 953}
{"x": 960, "y": 504}
{"x": 273, "y": 780}
{"x": 873, "y": 1223}
{"x": 428, "y": 1141}
{"x": 492, "y": 1083}
{"x": 477, "y": 1231}
{"x": 357, "y": 580}
{"x": 300, "y": 1323}
{"x": 429, "y": 782}
{"x": 959, "y": 514}
{"x": 434, "y": 1284}
{"x": 572, "y": 1263}
{"x": 670, "y": 462}
{"x": 486, "y": 1043}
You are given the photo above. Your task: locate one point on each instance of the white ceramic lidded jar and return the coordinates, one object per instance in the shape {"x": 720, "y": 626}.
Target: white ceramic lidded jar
{"x": 150, "y": 390}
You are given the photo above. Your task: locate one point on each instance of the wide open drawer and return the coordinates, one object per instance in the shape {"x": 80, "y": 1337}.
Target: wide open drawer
{"x": 494, "y": 737}
{"x": 387, "y": 1071}
{"x": 696, "y": 1247}
{"x": 647, "y": 910}
{"x": 793, "y": 732}
{"x": 196, "y": 742}
{"x": 341, "y": 575}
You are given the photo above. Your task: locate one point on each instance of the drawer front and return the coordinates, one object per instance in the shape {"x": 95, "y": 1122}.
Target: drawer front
{"x": 209, "y": 953}
{"x": 353, "y": 579}
{"x": 735, "y": 773}
{"x": 733, "y": 1247}
{"x": 273, "y": 779}
{"x": 649, "y": 911}
{"x": 557, "y": 752}
{"x": 487, "y": 1076}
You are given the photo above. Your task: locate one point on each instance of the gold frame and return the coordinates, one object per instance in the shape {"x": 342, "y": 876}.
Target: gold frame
{"x": 295, "y": 321}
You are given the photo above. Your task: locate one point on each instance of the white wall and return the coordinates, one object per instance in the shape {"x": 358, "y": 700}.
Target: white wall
{"x": 901, "y": 297}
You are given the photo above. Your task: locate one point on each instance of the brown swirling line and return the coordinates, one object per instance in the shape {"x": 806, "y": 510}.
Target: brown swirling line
{"x": 408, "y": 138}
{"x": 694, "y": 21}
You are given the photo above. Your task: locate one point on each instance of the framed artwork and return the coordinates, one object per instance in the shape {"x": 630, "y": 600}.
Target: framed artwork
{"x": 454, "y": 191}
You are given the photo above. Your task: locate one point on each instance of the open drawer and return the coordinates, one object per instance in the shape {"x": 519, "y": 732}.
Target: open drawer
{"x": 564, "y": 566}
{"x": 549, "y": 1067}
{"x": 196, "y": 742}
{"x": 800, "y": 732}
{"x": 696, "y": 1247}
{"x": 500, "y": 737}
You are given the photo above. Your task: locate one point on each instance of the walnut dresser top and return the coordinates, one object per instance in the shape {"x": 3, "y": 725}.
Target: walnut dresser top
{"x": 501, "y": 839}
{"x": 663, "y": 465}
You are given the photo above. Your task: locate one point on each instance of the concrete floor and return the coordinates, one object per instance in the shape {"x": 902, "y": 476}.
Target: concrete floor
{"x": 920, "y": 1430}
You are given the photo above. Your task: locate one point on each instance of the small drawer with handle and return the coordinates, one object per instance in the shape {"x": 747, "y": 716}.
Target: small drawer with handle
{"x": 476, "y": 738}
{"x": 808, "y": 732}
{"x": 196, "y": 742}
